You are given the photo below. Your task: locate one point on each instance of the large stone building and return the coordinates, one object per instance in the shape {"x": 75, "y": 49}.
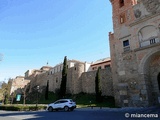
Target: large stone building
{"x": 135, "y": 52}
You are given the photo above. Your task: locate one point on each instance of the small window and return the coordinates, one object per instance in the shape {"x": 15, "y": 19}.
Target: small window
{"x": 126, "y": 46}
{"x": 75, "y": 68}
{"x": 125, "y": 43}
{"x": 107, "y": 67}
{"x": 152, "y": 41}
{"x": 99, "y": 67}
{"x": 56, "y": 79}
{"x": 122, "y": 18}
{"x": 63, "y": 101}
{"x": 94, "y": 68}
{"x": 57, "y": 102}
{"x": 121, "y": 3}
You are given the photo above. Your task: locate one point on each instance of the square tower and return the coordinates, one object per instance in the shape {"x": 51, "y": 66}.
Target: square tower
{"x": 135, "y": 52}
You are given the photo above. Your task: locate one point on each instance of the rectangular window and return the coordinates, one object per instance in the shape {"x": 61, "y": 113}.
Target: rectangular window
{"x": 125, "y": 43}
{"x": 126, "y": 46}
{"x": 94, "y": 68}
{"x": 107, "y": 66}
{"x": 122, "y": 18}
{"x": 121, "y": 3}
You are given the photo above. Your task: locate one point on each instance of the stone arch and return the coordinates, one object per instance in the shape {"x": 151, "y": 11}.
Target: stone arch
{"x": 150, "y": 24}
{"x": 146, "y": 59}
{"x": 150, "y": 69}
{"x": 147, "y": 35}
{"x": 147, "y": 32}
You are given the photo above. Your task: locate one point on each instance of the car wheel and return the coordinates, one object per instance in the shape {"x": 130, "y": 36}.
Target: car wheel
{"x": 66, "y": 108}
{"x": 50, "y": 109}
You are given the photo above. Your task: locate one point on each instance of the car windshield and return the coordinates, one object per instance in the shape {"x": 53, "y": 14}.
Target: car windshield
{"x": 56, "y": 102}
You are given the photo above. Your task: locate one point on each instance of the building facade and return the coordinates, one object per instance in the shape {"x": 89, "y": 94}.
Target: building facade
{"x": 104, "y": 63}
{"x": 135, "y": 52}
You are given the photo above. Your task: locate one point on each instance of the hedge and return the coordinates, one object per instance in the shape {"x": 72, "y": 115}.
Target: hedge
{"x": 21, "y": 108}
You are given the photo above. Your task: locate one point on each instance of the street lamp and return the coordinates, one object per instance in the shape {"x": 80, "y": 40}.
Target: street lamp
{"x": 37, "y": 98}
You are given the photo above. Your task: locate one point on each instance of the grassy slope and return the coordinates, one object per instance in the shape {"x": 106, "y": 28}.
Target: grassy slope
{"x": 82, "y": 100}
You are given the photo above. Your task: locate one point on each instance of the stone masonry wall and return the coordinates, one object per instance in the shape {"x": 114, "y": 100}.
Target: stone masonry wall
{"x": 77, "y": 81}
{"x": 88, "y": 82}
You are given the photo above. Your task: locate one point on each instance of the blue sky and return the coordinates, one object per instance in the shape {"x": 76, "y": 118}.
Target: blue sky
{"x": 34, "y": 32}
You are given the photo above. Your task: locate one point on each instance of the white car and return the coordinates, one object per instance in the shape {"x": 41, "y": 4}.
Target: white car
{"x": 62, "y": 104}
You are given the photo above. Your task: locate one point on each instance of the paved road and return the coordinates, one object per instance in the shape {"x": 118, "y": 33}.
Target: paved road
{"x": 80, "y": 114}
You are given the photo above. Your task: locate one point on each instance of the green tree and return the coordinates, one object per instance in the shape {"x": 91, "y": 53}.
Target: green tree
{"x": 46, "y": 92}
{"x": 6, "y": 98}
{"x": 5, "y": 91}
{"x": 64, "y": 79}
{"x": 97, "y": 87}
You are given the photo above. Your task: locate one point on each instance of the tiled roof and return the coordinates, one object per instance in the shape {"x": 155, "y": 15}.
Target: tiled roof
{"x": 102, "y": 60}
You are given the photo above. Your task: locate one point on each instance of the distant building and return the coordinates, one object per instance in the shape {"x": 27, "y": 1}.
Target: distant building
{"x": 18, "y": 83}
{"x": 104, "y": 63}
{"x": 43, "y": 69}
{"x": 70, "y": 63}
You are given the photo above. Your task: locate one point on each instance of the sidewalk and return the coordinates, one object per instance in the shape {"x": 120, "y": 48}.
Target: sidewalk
{"x": 127, "y": 109}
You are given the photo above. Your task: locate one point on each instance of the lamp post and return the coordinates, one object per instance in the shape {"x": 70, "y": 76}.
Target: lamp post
{"x": 37, "y": 97}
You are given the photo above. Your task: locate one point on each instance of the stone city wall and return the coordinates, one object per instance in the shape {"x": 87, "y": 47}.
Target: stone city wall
{"x": 88, "y": 82}
{"x": 77, "y": 81}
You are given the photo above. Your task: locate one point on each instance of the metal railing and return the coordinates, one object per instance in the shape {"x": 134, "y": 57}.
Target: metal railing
{"x": 150, "y": 41}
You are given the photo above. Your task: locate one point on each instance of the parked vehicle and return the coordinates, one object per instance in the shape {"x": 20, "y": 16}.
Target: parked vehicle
{"x": 62, "y": 104}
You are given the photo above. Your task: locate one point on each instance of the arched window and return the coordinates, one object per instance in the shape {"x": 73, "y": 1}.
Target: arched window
{"x": 147, "y": 32}
{"x": 148, "y": 35}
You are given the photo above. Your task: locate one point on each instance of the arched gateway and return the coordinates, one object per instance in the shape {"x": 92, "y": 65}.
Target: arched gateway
{"x": 151, "y": 71}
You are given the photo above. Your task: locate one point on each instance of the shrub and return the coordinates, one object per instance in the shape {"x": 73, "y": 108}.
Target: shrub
{"x": 22, "y": 108}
